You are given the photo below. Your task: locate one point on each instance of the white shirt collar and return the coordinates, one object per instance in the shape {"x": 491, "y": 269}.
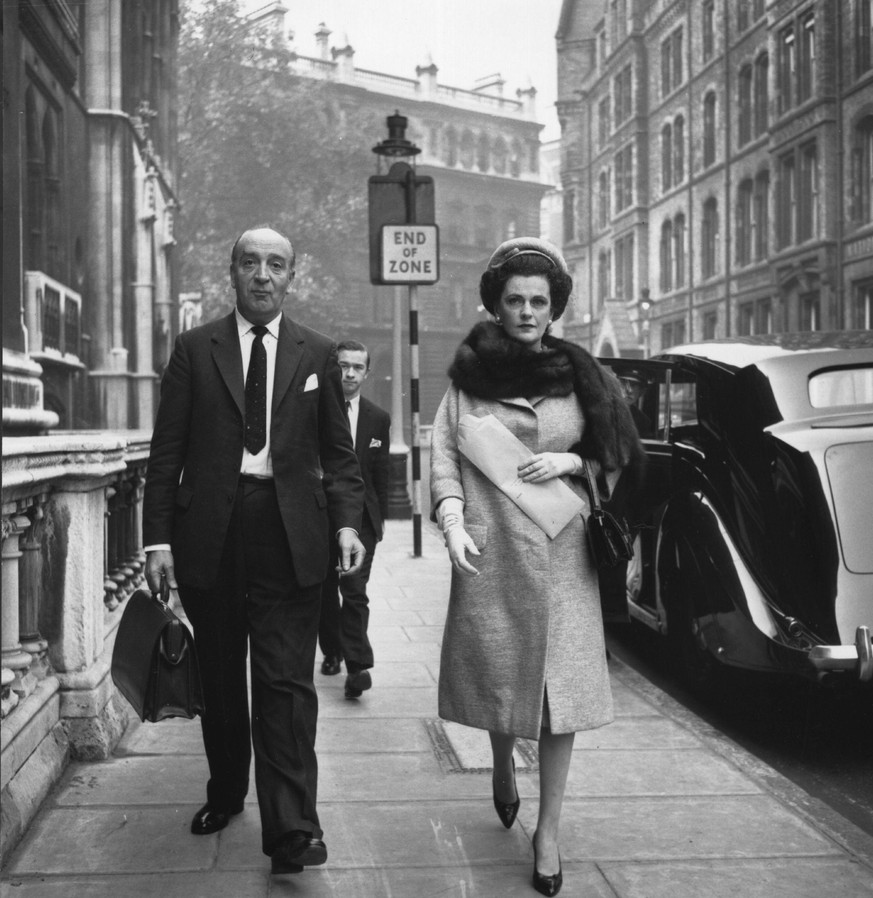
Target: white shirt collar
{"x": 244, "y": 325}
{"x": 355, "y": 402}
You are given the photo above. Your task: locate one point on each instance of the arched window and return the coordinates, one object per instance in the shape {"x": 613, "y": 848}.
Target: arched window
{"x": 52, "y": 192}
{"x": 679, "y": 249}
{"x": 35, "y": 173}
{"x": 762, "y": 93}
{"x": 666, "y": 157}
{"x": 761, "y": 216}
{"x": 679, "y": 150}
{"x": 500, "y": 155}
{"x": 603, "y": 199}
{"x": 451, "y": 150}
{"x": 744, "y": 236}
{"x": 483, "y": 153}
{"x": 666, "y": 280}
{"x": 709, "y": 129}
{"x": 467, "y": 149}
{"x": 709, "y": 238}
{"x": 862, "y": 170}
{"x": 745, "y": 105}
{"x": 515, "y": 159}
{"x": 603, "y": 268}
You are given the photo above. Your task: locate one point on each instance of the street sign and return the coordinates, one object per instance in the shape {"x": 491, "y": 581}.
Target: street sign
{"x": 410, "y": 254}
{"x": 397, "y": 198}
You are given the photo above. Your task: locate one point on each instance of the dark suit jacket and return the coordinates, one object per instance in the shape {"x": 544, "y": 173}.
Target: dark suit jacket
{"x": 372, "y": 448}
{"x": 197, "y": 449}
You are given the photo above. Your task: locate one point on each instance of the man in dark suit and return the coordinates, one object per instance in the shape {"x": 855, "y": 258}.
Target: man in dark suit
{"x": 343, "y": 630}
{"x": 251, "y": 476}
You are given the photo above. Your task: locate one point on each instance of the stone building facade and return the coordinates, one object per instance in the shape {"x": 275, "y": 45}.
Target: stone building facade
{"x": 88, "y": 202}
{"x": 481, "y": 146}
{"x": 717, "y": 168}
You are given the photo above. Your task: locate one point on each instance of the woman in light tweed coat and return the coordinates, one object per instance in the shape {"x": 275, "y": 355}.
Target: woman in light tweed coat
{"x": 523, "y": 652}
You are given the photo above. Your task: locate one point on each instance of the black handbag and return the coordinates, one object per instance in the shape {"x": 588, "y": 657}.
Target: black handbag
{"x": 609, "y": 537}
{"x": 154, "y": 662}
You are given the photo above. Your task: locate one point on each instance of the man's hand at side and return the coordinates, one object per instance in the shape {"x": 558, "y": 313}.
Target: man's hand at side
{"x": 351, "y": 552}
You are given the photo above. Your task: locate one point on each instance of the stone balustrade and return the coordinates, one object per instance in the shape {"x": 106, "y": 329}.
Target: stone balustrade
{"x": 71, "y": 555}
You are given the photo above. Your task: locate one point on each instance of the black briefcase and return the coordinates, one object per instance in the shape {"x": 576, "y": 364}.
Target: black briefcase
{"x": 154, "y": 662}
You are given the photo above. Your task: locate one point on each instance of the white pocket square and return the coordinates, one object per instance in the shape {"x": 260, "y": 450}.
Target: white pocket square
{"x": 311, "y": 383}
{"x": 375, "y": 444}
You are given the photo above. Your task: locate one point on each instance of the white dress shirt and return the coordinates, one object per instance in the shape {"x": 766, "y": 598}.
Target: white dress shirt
{"x": 261, "y": 464}
{"x": 354, "y": 410}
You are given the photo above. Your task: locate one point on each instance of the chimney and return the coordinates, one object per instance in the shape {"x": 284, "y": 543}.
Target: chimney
{"x": 344, "y": 57}
{"x": 429, "y": 70}
{"x": 485, "y": 85}
{"x": 321, "y": 37}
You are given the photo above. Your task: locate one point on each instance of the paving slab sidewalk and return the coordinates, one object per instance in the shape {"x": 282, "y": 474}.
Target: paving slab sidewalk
{"x": 659, "y": 805}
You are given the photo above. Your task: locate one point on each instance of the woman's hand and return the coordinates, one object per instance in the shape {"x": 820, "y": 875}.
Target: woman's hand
{"x": 459, "y": 542}
{"x": 547, "y": 466}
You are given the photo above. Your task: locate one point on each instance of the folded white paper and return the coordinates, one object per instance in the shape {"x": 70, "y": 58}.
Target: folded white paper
{"x": 497, "y": 453}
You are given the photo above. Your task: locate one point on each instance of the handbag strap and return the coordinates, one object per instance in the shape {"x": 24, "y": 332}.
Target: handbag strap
{"x": 592, "y": 485}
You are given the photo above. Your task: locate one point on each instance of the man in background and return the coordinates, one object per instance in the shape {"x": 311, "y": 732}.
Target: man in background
{"x": 343, "y": 630}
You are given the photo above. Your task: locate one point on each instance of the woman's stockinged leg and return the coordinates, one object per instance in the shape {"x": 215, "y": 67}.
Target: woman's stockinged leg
{"x": 555, "y": 752}
{"x": 502, "y": 747}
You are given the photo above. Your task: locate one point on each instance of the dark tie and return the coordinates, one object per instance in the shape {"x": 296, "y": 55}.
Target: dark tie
{"x": 256, "y": 394}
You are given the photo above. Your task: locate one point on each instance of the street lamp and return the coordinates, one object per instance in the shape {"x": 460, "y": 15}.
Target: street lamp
{"x": 645, "y": 313}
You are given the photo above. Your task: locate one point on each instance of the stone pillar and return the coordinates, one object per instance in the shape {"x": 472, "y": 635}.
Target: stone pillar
{"x": 14, "y": 658}
{"x": 31, "y": 587}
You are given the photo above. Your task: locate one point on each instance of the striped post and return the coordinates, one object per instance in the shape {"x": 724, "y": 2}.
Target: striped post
{"x": 416, "y": 421}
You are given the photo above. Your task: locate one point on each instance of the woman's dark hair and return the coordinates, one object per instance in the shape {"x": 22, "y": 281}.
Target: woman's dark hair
{"x": 494, "y": 280}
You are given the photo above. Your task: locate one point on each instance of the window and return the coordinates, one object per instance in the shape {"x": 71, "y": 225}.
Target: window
{"x": 710, "y": 325}
{"x": 666, "y": 281}
{"x": 708, "y": 29}
{"x": 603, "y": 266}
{"x": 742, "y": 15}
{"x": 806, "y": 67}
{"x": 745, "y": 317}
{"x": 467, "y": 149}
{"x": 624, "y": 178}
{"x": 619, "y": 21}
{"x": 758, "y": 9}
{"x": 842, "y": 387}
{"x": 603, "y": 199}
{"x": 679, "y": 150}
{"x": 709, "y": 238}
{"x": 863, "y": 36}
{"x": 671, "y": 63}
{"x": 862, "y": 306}
{"x": 810, "y": 312}
{"x": 603, "y": 123}
{"x": 484, "y": 226}
{"x": 862, "y": 171}
{"x": 570, "y": 216}
{"x": 622, "y": 96}
{"x": 483, "y": 153}
{"x": 624, "y": 268}
{"x": 787, "y": 68}
{"x": 761, "y": 216}
{"x": 755, "y": 318}
{"x": 499, "y": 156}
{"x": 666, "y": 157}
{"x": 602, "y": 50}
{"x": 745, "y": 195}
{"x": 451, "y": 147}
{"x": 786, "y": 201}
{"x": 673, "y": 334}
{"x": 709, "y": 129}
{"x": 745, "y": 104}
{"x": 807, "y": 193}
{"x": 679, "y": 249}
{"x": 762, "y": 93}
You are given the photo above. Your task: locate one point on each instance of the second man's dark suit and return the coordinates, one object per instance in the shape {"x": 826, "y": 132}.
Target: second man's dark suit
{"x": 343, "y": 631}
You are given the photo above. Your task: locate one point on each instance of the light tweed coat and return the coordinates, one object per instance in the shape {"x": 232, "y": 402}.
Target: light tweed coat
{"x": 530, "y": 623}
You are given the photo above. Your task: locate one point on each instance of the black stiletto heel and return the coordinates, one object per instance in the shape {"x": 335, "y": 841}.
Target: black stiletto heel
{"x": 507, "y": 812}
{"x": 547, "y": 885}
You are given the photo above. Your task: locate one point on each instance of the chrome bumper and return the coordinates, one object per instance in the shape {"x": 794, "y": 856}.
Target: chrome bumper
{"x": 857, "y": 657}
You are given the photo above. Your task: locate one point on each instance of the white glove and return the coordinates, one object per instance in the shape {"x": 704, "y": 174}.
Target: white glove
{"x": 450, "y": 515}
{"x": 548, "y": 465}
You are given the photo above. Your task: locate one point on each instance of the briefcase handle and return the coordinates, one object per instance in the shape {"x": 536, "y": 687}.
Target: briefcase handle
{"x": 162, "y": 597}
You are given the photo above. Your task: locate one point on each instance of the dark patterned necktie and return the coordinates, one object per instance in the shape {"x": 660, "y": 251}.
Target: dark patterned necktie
{"x": 256, "y": 394}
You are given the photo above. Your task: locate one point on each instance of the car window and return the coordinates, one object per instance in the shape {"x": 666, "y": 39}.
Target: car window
{"x": 683, "y": 406}
{"x": 841, "y": 387}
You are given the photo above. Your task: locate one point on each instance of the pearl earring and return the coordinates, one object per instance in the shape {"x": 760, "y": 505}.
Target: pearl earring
{"x": 497, "y": 319}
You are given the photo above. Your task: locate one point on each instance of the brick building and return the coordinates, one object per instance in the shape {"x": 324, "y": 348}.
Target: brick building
{"x": 88, "y": 201}
{"x": 717, "y": 167}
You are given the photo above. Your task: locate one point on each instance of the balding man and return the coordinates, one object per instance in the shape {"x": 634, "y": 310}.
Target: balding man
{"x": 252, "y": 473}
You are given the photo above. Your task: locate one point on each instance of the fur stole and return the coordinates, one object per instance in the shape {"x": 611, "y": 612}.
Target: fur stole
{"x": 491, "y": 365}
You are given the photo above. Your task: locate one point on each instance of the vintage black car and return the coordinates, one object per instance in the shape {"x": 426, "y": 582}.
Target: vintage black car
{"x": 755, "y": 540}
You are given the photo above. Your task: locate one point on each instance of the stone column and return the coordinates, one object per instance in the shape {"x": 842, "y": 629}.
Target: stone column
{"x": 31, "y": 587}
{"x": 14, "y": 658}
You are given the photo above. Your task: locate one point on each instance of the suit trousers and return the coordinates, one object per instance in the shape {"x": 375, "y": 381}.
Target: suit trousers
{"x": 256, "y": 604}
{"x": 342, "y": 632}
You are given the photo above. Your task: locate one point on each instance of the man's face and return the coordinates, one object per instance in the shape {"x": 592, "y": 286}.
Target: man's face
{"x": 354, "y": 367}
{"x": 261, "y": 274}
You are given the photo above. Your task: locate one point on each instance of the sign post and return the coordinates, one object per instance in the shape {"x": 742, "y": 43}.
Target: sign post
{"x": 404, "y": 249}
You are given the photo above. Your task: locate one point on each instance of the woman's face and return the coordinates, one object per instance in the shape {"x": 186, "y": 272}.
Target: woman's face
{"x": 524, "y": 309}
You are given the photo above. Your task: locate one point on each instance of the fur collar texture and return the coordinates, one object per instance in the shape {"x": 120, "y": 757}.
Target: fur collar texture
{"x": 491, "y": 365}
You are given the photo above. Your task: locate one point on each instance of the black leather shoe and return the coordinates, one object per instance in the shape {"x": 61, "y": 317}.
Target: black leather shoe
{"x": 507, "y": 812}
{"x": 330, "y": 666}
{"x": 547, "y": 885}
{"x": 297, "y": 850}
{"x": 357, "y": 683}
{"x": 210, "y": 819}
